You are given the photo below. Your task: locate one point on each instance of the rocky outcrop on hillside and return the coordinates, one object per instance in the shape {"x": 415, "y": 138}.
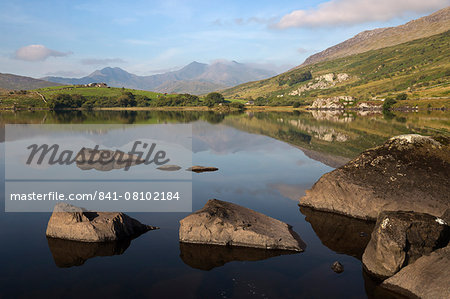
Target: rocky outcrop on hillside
{"x": 400, "y": 238}
{"x": 435, "y": 23}
{"x": 225, "y": 223}
{"x": 344, "y": 103}
{"x": 322, "y": 82}
{"x": 72, "y": 223}
{"x": 408, "y": 172}
{"x": 334, "y": 103}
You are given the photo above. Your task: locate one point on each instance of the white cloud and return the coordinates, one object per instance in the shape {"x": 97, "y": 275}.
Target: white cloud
{"x": 37, "y": 53}
{"x": 347, "y": 12}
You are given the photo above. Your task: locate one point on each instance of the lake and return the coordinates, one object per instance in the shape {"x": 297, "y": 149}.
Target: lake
{"x": 266, "y": 161}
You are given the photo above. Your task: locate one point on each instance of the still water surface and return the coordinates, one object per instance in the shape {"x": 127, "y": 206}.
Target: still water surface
{"x": 266, "y": 162}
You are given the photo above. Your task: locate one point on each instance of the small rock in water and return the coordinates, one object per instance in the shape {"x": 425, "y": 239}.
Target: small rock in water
{"x": 337, "y": 267}
{"x": 202, "y": 169}
{"x": 169, "y": 167}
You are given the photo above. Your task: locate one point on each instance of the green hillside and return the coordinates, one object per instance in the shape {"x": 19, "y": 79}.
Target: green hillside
{"x": 435, "y": 23}
{"x": 80, "y": 97}
{"x": 420, "y": 68}
{"x": 94, "y": 91}
{"x": 41, "y": 97}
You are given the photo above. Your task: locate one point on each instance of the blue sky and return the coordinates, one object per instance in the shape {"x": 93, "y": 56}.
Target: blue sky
{"x": 73, "y": 38}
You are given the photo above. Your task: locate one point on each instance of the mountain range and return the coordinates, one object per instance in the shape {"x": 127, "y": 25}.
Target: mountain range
{"x": 10, "y": 81}
{"x": 194, "y": 78}
{"x": 435, "y": 23}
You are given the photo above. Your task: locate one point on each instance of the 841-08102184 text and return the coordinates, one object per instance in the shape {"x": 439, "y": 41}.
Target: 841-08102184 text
{"x": 98, "y": 195}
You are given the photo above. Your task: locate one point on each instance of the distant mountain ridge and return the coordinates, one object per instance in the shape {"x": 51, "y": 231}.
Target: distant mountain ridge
{"x": 195, "y": 78}
{"x": 10, "y": 81}
{"x": 433, "y": 24}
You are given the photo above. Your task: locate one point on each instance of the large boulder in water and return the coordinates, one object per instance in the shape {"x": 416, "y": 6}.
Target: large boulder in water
{"x": 73, "y": 223}
{"x": 408, "y": 172}
{"x": 428, "y": 277}
{"x": 224, "y": 223}
{"x": 400, "y": 238}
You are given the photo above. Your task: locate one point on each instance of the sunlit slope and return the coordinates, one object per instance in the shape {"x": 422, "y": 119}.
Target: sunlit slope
{"x": 420, "y": 68}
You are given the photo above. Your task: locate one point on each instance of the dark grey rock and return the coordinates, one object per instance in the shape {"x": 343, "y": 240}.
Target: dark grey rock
{"x": 199, "y": 169}
{"x": 400, "y": 238}
{"x": 337, "y": 267}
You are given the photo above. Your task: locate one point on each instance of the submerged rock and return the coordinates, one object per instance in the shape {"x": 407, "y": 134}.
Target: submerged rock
{"x": 224, "y": 223}
{"x": 202, "y": 169}
{"x": 105, "y": 160}
{"x": 337, "y": 267}
{"x": 428, "y": 277}
{"x": 207, "y": 257}
{"x": 408, "y": 172}
{"x": 169, "y": 167}
{"x": 400, "y": 238}
{"x": 73, "y": 223}
{"x": 68, "y": 253}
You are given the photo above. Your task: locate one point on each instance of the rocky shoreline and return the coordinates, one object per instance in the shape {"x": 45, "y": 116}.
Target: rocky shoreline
{"x": 404, "y": 185}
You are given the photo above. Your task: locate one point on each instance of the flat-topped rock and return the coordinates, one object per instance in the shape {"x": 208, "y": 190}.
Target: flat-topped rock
{"x": 428, "y": 277}
{"x": 225, "y": 223}
{"x": 408, "y": 172}
{"x": 202, "y": 169}
{"x": 400, "y": 238}
{"x": 73, "y": 223}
